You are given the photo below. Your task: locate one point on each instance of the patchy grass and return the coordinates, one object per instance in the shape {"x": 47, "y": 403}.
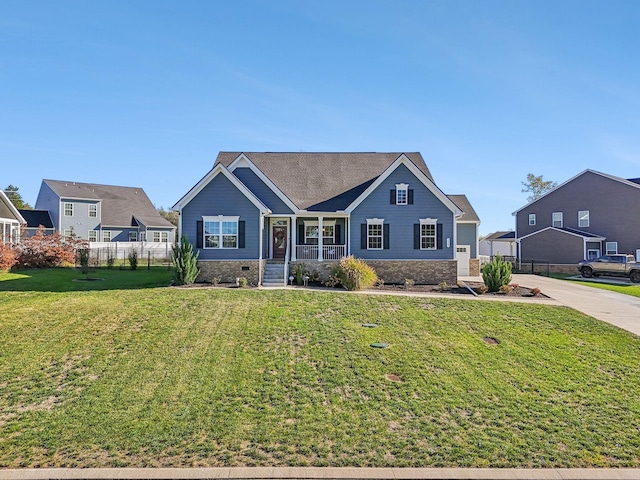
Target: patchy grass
{"x": 209, "y": 377}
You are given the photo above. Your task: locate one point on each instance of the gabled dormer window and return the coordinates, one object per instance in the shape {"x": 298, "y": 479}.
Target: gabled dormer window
{"x": 402, "y": 194}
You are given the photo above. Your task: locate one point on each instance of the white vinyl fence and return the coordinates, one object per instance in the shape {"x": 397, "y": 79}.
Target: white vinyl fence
{"x": 101, "y": 253}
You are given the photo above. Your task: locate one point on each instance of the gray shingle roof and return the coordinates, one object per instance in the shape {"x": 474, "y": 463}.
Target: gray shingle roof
{"x": 504, "y": 235}
{"x": 322, "y": 181}
{"x": 35, "y": 218}
{"x": 462, "y": 202}
{"x": 120, "y": 206}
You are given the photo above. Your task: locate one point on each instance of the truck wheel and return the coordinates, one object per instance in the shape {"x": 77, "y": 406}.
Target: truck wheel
{"x": 587, "y": 272}
{"x": 635, "y": 276}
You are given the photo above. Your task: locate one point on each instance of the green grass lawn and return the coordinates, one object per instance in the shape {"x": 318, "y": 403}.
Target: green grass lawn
{"x": 633, "y": 290}
{"x": 96, "y": 376}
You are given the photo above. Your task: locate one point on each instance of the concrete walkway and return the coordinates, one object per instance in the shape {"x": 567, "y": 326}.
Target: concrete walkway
{"x": 325, "y": 473}
{"x": 615, "y": 308}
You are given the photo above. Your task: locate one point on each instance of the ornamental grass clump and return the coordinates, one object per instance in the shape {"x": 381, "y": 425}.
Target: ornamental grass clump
{"x": 185, "y": 263}
{"x": 496, "y": 273}
{"x": 355, "y": 274}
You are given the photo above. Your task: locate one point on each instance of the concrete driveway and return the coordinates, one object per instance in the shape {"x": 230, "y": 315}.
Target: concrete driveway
{"x": 615, "y": 308}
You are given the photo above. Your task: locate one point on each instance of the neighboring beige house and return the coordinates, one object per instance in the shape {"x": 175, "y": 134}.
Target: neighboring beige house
{"x": 10, "y": 220}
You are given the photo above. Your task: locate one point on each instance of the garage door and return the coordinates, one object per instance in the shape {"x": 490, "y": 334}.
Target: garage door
{"x": 463, "y": 255}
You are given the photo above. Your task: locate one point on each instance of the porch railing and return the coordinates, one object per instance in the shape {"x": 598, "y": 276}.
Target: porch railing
{"x": 329, "y": 252}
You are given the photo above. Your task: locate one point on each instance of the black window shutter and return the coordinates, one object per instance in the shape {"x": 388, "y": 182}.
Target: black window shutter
{"x": 439, "y": 236}
{"x": 199, "y": 233}
{"x": 416, "y": 236}
{"x": 392, "y": 197}
{"x": 338, "y": 235}
{"x": 385, "y": 236}
{"x": 301, "y": 234}
{"x": 410, "y": 197}
{"x": 363, "y": 236}
{"x": 241, "y": 234}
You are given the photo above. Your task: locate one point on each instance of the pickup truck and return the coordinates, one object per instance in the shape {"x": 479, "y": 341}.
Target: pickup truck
{"x": 619, "y": 265}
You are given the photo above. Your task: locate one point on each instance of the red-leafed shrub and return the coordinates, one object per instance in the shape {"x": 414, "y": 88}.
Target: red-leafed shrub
{"x": 7, "y": 257}
{"x": 42, "y": 251}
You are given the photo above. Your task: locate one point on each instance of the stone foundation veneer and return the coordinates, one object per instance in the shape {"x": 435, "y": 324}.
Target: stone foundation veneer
{"x": 427, "y": 272}
{"x": 474, "y": 267}
{"x": 228, "y": 270}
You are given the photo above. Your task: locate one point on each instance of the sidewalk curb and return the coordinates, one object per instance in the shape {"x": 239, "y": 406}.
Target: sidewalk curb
{"x": 321, "y": 473}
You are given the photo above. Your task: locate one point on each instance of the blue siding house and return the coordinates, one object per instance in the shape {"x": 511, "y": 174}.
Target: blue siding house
{"x": 258, "y": 215}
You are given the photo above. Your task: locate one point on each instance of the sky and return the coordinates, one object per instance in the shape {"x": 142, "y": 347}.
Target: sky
{"x": 146, "y": 93}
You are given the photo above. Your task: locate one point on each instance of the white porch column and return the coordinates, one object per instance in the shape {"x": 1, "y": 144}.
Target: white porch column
{"x": 293, "y": 232}
{"x": 320, "y": 259}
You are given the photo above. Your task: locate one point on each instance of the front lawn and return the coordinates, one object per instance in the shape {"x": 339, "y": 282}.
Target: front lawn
{"x": 633, "y": 290}
{"x": 159, "y": 376}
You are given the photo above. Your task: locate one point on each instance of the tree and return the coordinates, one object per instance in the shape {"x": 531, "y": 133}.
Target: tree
{"x": 185, "y": 263}
{"x": 537, "y": 186}
{"x": 16, "y": 198}
{"x": 169, "y": 215}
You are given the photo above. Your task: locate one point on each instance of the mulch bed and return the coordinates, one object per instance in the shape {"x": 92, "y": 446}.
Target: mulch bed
{"x": 517, "y": 291}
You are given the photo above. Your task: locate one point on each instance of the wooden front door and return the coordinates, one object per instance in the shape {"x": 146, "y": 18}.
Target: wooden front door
{"x": 279, "y": 242}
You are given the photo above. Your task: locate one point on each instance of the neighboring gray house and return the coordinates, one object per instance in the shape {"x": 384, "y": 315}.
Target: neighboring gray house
{"x": 103, "y": 213}
{"x": 36, "y": 219}
{"x": 270, "y": 211}
{"x": 503, "y": 243}
{"x": 10, "y": 220}
{"x": 591, "y": 214}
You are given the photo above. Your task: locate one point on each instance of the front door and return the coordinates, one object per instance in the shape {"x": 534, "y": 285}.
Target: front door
{"x": 463, "y": 254}
{"x": 279, "y": 241}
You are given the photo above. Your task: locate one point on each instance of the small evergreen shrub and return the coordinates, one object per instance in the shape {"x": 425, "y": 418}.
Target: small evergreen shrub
{"x": 185, "y": 262}
{"x": 242, "y": 282}
{"x": 355, "y": 274}
{"x": 299, "y": 273}
{"x": 83, "y": 260}
{"x": 496, "y": 273}
{"x": 133, "y": 259}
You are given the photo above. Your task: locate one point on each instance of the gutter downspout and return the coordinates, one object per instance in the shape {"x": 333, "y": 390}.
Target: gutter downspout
{"x": 260, "y": 247}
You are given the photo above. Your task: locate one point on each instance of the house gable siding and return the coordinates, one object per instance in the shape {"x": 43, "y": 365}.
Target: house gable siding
{"x": 49, "y": 200}
{"x": 81, "y": 222}
{"x": 261, "y": 190}
{"x": 608, "y": 201}
{"x": 401, "y": 219}
{"x": 221, "y": 197}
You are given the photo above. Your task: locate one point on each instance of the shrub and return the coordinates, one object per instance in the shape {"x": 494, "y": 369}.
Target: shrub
{"x": 506, "y": 289}
{"x": 496, "y": 273}
{"x": 242, "y": 282}
{"x": 535, "y": 291}
{"x": 83, "y": 260}
{"x": 45, "y": 251}
{"x": 300, "y": 273}
{"x": 355, "y": 274}
{"x": 185, "y": 263}
{"x": 8, "y": 257}
{"x": 333, "y": 281}
{"x": 481, "y": 289}
{"x": 444, "y": 286}
{"x": 111, "y": 259}
{"x": 133, "y": 259}
{"x": 409, "y": 282}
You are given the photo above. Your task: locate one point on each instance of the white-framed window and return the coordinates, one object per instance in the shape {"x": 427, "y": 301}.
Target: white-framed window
{"x": 68, "y": 209}
{"x": 611, "y": 248}
{"x": 93, "y": 236}
{"x": 428, "y": 233}
{"x": 106, "y": 236}
{"x": 311, "y": 232}
{"x": 156, "y": 236}
{"x": 133, "y": 236}
{"x": 532, "y": 219}
{"x": 375, "y": 234}
{"x": 593, "y": 253}
{"x": 402, "y": 194}
{"x": 68, "y": 232}
{"x": 165, "y": 237}
{"x": 583, "y": 218}
{"x": 93, "y": 211}
{"x": 556, "y": 219}
{"x": 220, "y": 232}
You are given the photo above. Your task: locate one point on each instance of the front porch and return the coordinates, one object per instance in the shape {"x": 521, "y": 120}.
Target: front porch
{"x": 314, "y": 238}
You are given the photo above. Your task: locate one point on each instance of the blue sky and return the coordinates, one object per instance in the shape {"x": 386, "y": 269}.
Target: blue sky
{"x": 146, "y": 93}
